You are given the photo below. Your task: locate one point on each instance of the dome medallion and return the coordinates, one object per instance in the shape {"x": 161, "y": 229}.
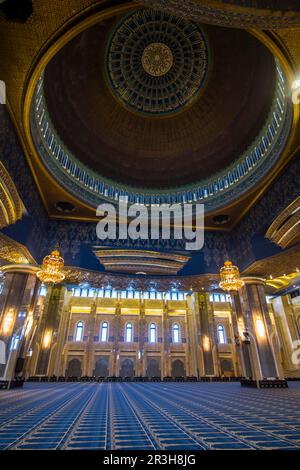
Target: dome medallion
{"x": 157, "y": 59}
{"x": 156, "y": 63}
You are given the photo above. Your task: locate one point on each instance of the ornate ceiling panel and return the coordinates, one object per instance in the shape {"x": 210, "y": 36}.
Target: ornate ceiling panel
{"x": 276, "y": 266}
{"x": 141, "y": 261}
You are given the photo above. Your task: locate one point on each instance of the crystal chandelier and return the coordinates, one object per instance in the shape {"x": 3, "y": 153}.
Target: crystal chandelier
{"x": 230, "y": 277}
{"x": 51, "y": 269}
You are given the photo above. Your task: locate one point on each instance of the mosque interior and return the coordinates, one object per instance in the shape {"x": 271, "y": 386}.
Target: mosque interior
{"x": 144, "y": 342}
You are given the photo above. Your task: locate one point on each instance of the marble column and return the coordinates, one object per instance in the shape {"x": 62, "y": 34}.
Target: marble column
{"x": 49, "y": 326}
{"x": 89, "y": 366}
{"x": 166, "y": 363}
{"x": 62, "y": 336}
{"x": 288, "y": 333}
{"x": 258, "y": 331}
{"x": 141, "y": 359}
{"x": 242, "y": 343}
{"x": 193, "y": 343}
{"x": 198, "y": 338}
{"x": 18, "y": 299}
{"x": 207, "y": 335}
{"x": 116, "y": 351}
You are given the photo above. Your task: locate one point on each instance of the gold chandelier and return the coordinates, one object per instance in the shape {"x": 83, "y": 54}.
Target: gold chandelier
{"x": 230, "y": 277}
{"x": 51, "y": 269}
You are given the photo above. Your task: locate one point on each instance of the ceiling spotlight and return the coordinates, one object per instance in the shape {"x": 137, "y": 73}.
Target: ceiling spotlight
{"x": 221, "y": 219}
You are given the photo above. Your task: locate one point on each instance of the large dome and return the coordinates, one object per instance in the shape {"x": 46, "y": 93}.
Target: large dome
{"x": 155, "y": 104}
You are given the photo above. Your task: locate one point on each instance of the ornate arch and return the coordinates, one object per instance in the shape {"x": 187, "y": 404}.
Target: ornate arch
{"x": 11, "y": 206}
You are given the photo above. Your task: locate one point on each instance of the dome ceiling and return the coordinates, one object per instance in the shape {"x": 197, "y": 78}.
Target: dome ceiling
{"x": 146, "y": 112}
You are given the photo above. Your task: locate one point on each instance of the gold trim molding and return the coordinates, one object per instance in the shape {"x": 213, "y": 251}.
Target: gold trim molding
{"x": 11, "y": 206}
{"x": 285, "y": 229}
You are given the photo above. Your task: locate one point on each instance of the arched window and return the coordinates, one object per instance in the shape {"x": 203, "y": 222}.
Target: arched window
{"x": 104, "y": 331}
{"x": 153, "y": 331}
{"x": 79, "y": 331}
{"x": 221, "y": 334}
{"x": 128, "y": 333}
{"x": 176, "y": 333}
{"x": 15, "y": 342}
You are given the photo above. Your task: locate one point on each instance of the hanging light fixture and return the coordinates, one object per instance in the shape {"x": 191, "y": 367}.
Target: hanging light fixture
{"x": 230, "y": 277}
{"x": 51, "y": 269}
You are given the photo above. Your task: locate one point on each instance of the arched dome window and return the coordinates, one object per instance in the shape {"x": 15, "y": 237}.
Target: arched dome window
{"x": 79, "y": 331}
{"x": 221, "y": 334}
{"x": 104, "y": 331}
{"x": 129, "y": 333}
{"x": 153, "y": 333}
{"x": 176, "y": 333}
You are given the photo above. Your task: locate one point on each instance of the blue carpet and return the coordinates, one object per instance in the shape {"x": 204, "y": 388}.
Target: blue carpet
{"x": 133, "y": 416}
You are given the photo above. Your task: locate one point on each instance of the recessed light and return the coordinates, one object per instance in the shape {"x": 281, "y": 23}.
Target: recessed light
{"x": 64, "y": 206}
{"x": 221, "y": 219}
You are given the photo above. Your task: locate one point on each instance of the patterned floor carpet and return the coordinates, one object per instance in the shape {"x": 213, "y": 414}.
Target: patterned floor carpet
{"x": 150, "y": 416}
